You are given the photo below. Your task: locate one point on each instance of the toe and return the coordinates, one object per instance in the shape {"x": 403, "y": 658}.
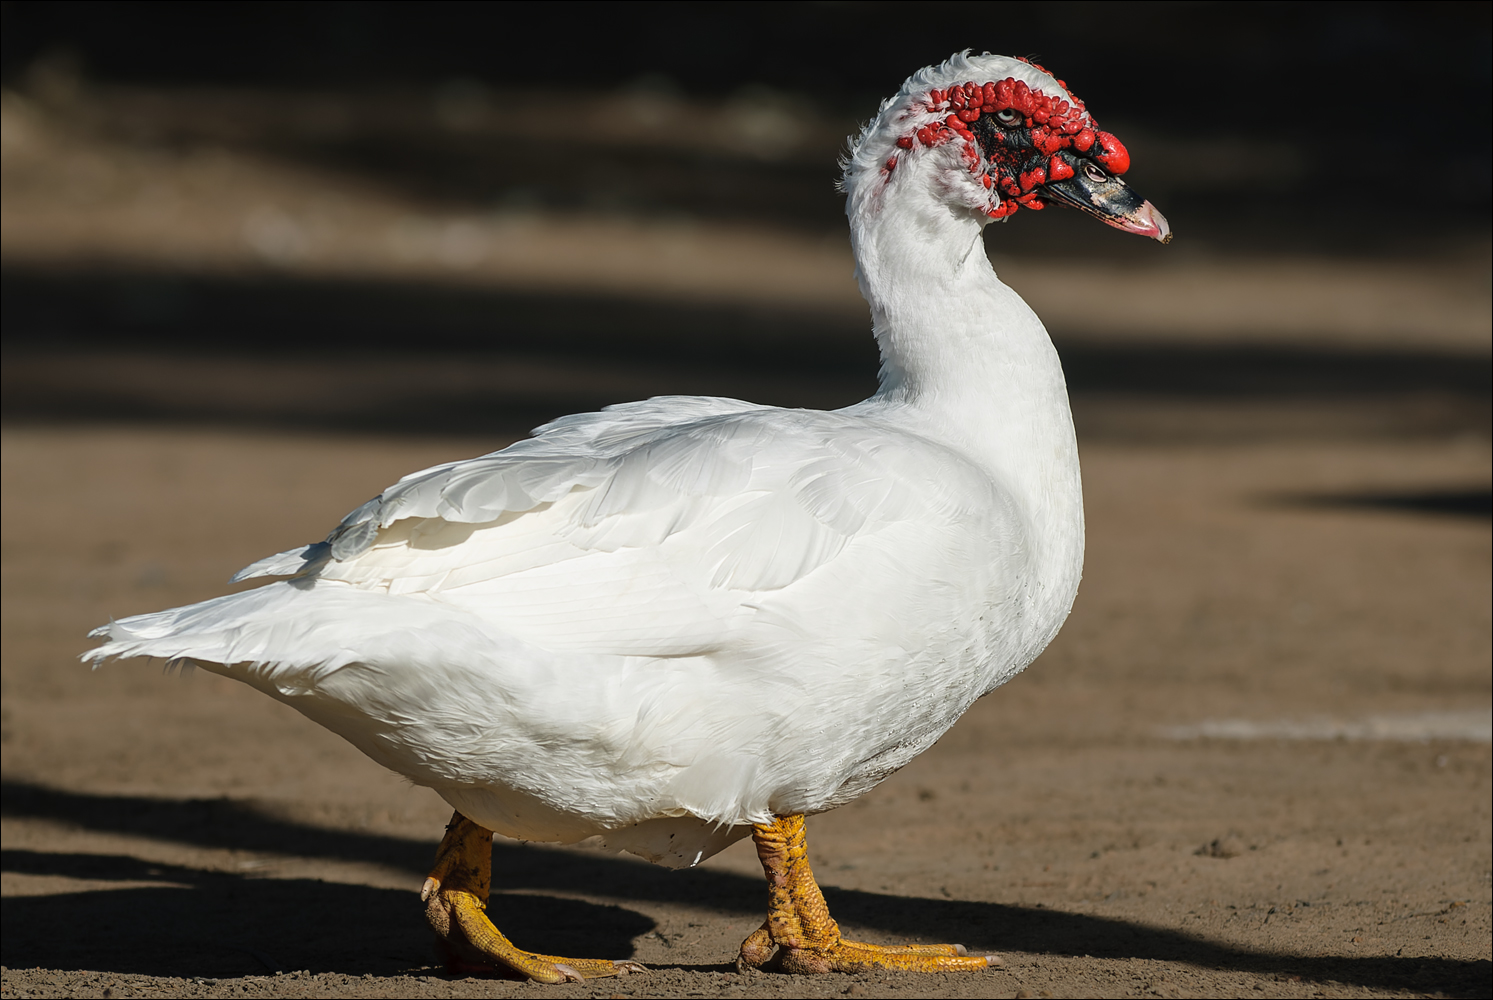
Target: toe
{"x": 852, "y": 956}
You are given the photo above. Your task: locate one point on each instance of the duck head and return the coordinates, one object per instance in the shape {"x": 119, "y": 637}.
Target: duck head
{"x": 1005, "y": 134}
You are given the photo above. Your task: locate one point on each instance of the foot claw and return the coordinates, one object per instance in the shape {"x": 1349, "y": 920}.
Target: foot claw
{"x": 429, "y": 888}
{"x": 571, "y": 976}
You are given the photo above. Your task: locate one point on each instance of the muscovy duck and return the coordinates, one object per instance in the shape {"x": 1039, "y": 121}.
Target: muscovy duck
{"x": 674, "y": 623}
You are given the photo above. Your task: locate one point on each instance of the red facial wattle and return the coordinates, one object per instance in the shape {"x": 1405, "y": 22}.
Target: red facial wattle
{"x": 1112, "y": 154}
{"x": 1023, "y": 144}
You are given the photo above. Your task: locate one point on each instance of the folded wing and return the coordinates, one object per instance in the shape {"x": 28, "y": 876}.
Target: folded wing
{"x": 641, "y": 530}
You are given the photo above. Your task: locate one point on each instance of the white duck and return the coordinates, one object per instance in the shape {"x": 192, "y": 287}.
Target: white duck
{"x": 674, "y": 623}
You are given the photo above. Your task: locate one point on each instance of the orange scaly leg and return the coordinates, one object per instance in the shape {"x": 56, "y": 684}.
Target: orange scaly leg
{"x": 804, "y": 935}
{"x": 455, "y": 897}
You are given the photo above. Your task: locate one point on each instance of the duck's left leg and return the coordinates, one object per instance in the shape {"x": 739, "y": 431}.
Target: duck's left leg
{"x": 799, "y": 925}
{"x": 455, "y": 897}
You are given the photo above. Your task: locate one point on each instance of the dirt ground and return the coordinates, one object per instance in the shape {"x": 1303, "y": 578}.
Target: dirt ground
{"x": 169, "y": 835}
{"x": 1255, "y": 761}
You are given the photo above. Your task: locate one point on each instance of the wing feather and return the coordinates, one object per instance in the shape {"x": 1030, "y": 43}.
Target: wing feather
{"x": 637, "y": 533}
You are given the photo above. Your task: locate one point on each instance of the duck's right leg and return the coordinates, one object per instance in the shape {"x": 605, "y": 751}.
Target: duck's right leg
{"x": 455, "y": 897}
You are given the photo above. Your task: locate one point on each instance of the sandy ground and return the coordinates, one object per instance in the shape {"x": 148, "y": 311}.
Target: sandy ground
{"x": 1256, "y": 760}
{"x": 187, "y": 836}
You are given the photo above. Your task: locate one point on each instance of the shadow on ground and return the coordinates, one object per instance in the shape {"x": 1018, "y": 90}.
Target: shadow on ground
{"x": 199, "y": 923}
{"x": 390, "y": 357}
{"x": 1455, "y": 503}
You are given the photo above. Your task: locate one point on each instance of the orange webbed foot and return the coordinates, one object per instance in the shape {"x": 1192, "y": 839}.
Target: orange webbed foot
{"x": 799, "y": 936}
{"x": 455, "y": 897}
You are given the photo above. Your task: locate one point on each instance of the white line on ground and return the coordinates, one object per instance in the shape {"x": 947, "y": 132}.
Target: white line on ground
{"x": 1474, "y": 725}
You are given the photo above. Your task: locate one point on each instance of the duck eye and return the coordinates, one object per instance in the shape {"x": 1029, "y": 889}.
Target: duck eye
{"x": 1095, "y": 174}
{"x": 1010, "y": 116}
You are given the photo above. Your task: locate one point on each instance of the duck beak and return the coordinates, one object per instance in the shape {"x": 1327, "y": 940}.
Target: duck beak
{"x": 1112, "y": 202}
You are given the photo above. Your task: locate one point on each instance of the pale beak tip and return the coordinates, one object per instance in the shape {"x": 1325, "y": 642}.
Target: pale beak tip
{"x": 1161, "y": 230}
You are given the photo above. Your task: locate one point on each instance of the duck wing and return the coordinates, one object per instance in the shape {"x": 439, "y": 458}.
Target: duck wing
{"x": 635, "y": 532}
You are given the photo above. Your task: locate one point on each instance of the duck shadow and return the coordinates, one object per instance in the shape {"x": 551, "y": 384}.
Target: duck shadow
{"x": 176, "y": 920}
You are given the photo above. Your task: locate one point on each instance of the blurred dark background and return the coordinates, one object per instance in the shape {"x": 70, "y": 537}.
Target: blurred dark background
{"x": 1365, "y": 123}
{"x": 562, "y": 205}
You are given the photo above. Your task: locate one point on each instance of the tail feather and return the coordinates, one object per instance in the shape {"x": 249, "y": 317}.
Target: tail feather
{"x": 208, "y": 631}
{"x": 293, "y": 633}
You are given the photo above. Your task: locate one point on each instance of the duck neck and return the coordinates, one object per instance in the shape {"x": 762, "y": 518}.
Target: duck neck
{"x": 971, "y": 358}
{"x": 952, "y": 336}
